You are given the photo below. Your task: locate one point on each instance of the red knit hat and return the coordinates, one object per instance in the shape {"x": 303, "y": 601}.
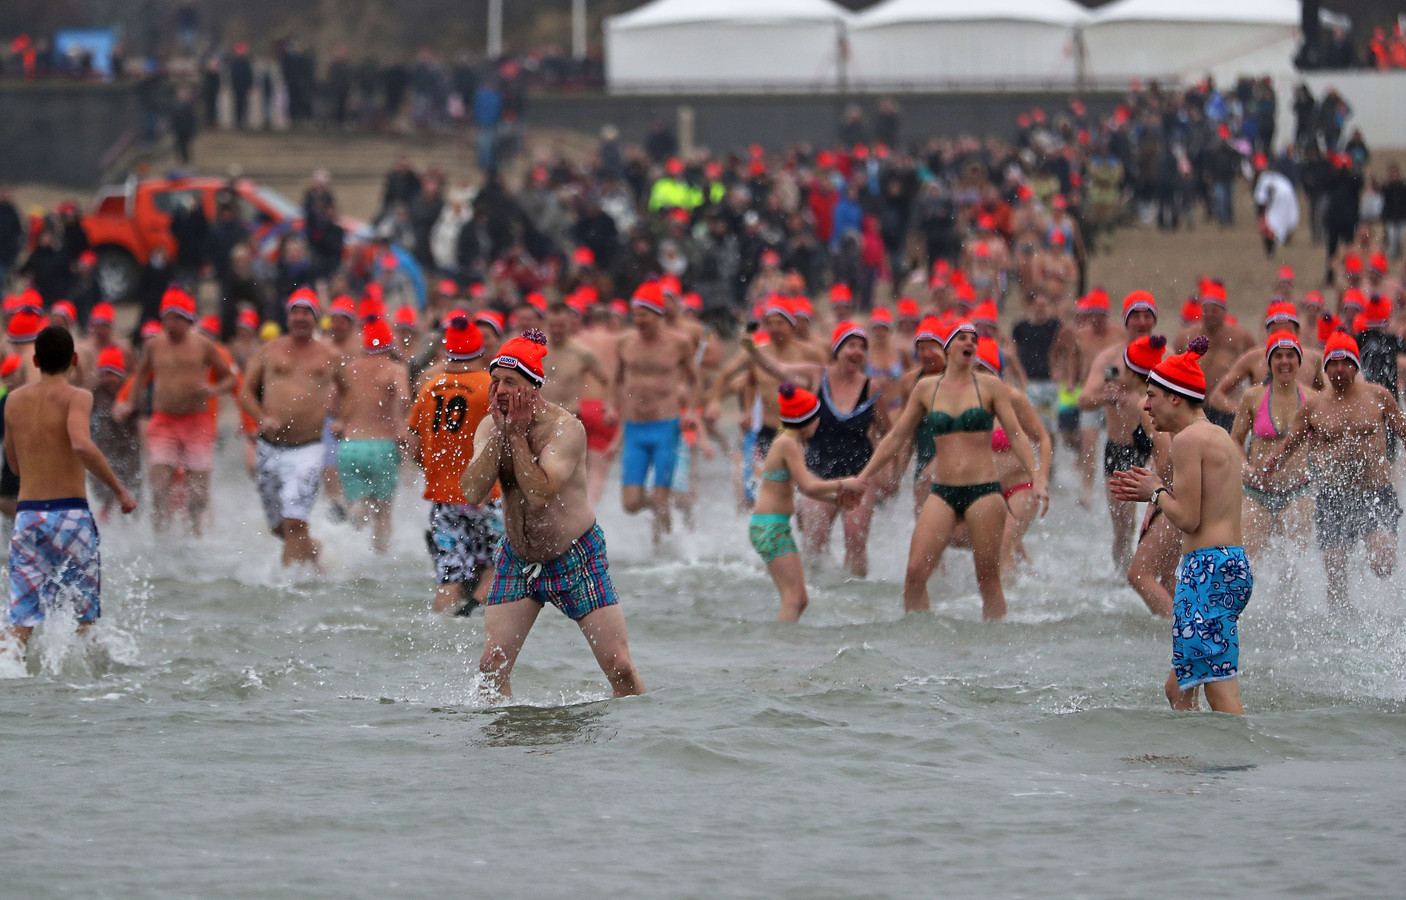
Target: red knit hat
{"x": 492, "y": 318}
{"x": 1214, "y": 294}
{"x": 988, "y": 354}
{"x": 985, "y": 313}
{"x": 525, "y": 355}
{"x": 1377, "y": 312}
{"x": 102, "y": 312}
{"x": 777, "y": 305}
{"x": 798, "y": 406}
{"x": 113, "y": 360}
{"x": 10, "y": 365}
{"x": 880, "y": 317}
{"x": 1355, "y": 298}
{"x": 1313, "y": 298}
{"x": 149, "y": 329}
{"x": 537, "y": 300}
{"x": 1327, "y": 324}
{"x": 1352, "y": 263}
{"x": 65, "y": 309}
{"x": 179, "y": 302}
{"x": 1181, "y": 374}
{"x": 1143, "y": 354}
{"x": 1098, "y": 300}
{"x": 210, "y": 325}
{"x": 649, "y": 295}
{"x": 1341, "y": 345}
{"x": 1378, "y": 263}
{"x": 840, "y": 293}
{"x": 1286, "y": 273}
{"x": 1282, "y": 340}
{"x": 843, "y": 332}
{"x": 344, "y": 306}
{"x": 30, "y": 299}
{"x": 947, "y": 331}
{"x": 928, "y": 329}
{"x": 306, "y": 298}
{"x": 1190, "y": 311}
{"x": 908, "y": 309}
{"x": 406, "y": 317}
{"x": 371, "y": 306}
{"x": 1138, "y": 300}
{"x": 376, "y": 336}
{"x": 1280, "y": 312}
{"x": 24, "y": 326}
{"x": 247, "y": 319}
{"x": 462, "y": 339}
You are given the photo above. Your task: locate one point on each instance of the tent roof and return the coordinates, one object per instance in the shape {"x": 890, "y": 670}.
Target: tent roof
{"x": 1268, "y": 12}
{"x": 904, "y": 12}
{"x": 662, "y": 13}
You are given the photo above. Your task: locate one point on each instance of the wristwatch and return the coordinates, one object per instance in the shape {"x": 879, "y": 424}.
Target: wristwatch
{"x": 1155, "y": 494}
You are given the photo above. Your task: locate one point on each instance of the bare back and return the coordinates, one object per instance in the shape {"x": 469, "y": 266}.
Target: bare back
{"x": 38, "y": 440}
{"x": 375, "y": 398}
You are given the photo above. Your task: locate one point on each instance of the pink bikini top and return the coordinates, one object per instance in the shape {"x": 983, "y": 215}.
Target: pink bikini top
{"x": 1264, "y": 427}
{"x": 1000, "y": 443}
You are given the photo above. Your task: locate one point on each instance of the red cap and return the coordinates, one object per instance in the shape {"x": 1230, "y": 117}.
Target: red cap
{"x": 1341, "y": 345}
{"x": 843, "y": 332}
{"x": 537, "y": 300}
{"x": 1313, "y": 298}
{"x": 584, "y": 257}
{"x": 179, "y": 302}
{"x": 1352, "y": 297}
{"x": 371, "y": 306}
{"x": 803, "y": 308}
{"x": 880, "y": 317}
{"x": 779, "y": 306}
{"x": 462, "y": 339}
{"x": 248, "y": 319}
{"x": 928, "y": 330}
{"x": 985, "y": 313}
{"x": 798, "y": 406}
{"x": 151, "y": 329}
{"x": 988, "y": 354}
{"x": 211, "y": 326}
{"x": 948, "y": 330}
{"x": 344, "y": 306}
{"x": 24, "y": 326}
{"x": 770, "y": 258}
{"x": 650, "y": 295}
{"x": 1181, "y": 374}
{"x": 492, "y": 318}
{"x": 1284, "y": 340}
{"x": 840, "y": 293}
{"x": 1352, "y": 263}
{"x": 692, "y": 300}
{"x": 376, "y": 336}
{"x": 1377, "y": 312}
{"x": 524, "y": 354}
{"x": 1280, "y": 312}
{"x": 102, "y": 312}
{"x": 1286, "y": 273}
{"x": 448, "y": 287}
{"x": 11, "y": 364}
{"x": 306, "y": 298}
{"x": 1378, "y": 263}
{"x": 1143, "y": 354}
{"x": 1138, "y": 300}
{"x": 1213, "y": 294}
{"x": 908, "y": 309}
{"x": 674, "y": 166}
{"x": 406, "y": 317}
{"x": 1190, "y": 311}
{"x": 65, "y": 309}
{"x": 87, "y": 259}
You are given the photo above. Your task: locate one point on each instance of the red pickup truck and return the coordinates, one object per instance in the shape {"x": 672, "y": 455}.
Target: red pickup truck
{"x": 129, "y": 220}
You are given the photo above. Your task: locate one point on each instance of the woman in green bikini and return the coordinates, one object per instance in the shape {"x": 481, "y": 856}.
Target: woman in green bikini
{"x": 958, "y": 409}
{"x": 783, "y": 471}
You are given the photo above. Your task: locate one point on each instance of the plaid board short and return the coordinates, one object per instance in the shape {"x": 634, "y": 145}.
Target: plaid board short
{"x": 577, "y": 582}
{"x": 54, "y": 558}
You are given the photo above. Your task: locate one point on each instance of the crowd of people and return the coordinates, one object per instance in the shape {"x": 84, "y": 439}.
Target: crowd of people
{"x": 860, "y": 305}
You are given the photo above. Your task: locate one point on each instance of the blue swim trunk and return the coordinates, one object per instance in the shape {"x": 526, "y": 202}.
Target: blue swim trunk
{"x": 368, "y": 468}
{"x": 54, "y": 558}
{"x": 1213, "y": 586}
{"x": 646, "y": 445}
{"x": 577, "y": 582}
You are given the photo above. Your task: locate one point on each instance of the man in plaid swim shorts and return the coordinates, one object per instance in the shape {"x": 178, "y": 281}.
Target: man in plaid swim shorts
{"x": 553, "y": 550}
{"x": 54, "y": 551}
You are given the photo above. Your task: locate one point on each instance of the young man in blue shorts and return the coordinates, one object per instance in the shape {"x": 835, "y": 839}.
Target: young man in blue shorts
{"x": 1213, "y": 579}
{"x": 54, "y": 551}
{"x": 553, "y": 551}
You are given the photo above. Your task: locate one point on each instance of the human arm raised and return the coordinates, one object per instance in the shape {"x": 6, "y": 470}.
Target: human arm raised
{"x": 807, "y": 375}
{"x": 901, "y": 433}
{"x": 482, "y": 471}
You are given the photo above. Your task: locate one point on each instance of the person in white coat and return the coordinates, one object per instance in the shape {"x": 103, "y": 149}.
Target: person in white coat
{"x": 1277, "y": 204}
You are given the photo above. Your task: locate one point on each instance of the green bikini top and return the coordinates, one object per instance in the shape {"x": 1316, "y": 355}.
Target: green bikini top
{"x": 973, "y": 419}
{"x": 781, "y": 474}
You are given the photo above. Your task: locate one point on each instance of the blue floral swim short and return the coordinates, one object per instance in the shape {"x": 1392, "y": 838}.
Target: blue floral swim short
{"x": 1213, "y": 586}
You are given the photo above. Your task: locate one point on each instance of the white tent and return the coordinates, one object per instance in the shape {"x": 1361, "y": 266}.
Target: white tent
{"x": 956, "y": 43}
{"x": 726, "y": 45}
{"x": 1185, "y": 39}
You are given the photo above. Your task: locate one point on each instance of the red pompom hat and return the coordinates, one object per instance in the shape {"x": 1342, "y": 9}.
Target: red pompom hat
{"x": 1327, "y": 324}
{"x": 843, "y": 332}
{"x": 1138, "y": 300}
{"x": 798, "y": 406}
{"x": 1282, "y": 340}
{"x": 1143, "y": 354}
{"x": 1341, "y": 345}
{"x": 462, "y": 339}
{"x": 376, "y": 336}
{"x": 1190, "y": 311}
{"x": 1181, "y": 374}
{"x": 1280, "y": 312}
{"x": 524, "y": 354}
{"x": 1376, "y": 314}
{"x": 988, "y": 354}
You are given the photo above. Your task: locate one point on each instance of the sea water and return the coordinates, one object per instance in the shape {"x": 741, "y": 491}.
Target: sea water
{"x": 237, "y": 731}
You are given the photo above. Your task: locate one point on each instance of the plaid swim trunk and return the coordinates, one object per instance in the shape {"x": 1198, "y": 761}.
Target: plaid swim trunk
{"x": 463, "y": 539}
{"x": 577, "y": 582}
{"x": 53, "y": 558}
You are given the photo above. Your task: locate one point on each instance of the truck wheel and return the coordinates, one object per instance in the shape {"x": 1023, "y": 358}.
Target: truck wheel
{"x": 116, "y": 274}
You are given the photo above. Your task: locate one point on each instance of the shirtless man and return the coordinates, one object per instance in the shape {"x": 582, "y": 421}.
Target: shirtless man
{"x": 571, "y": 368}
{"x": 179, "y": 364}
{"x": 554, "y": 551}
{"x": 602, "y": 423}
{"x": 342, "y": 341}
{"x": 102, "y": 335}
{"x": 371, "y": 398}
{"x": 54, "y": 551}
{"x": 1227, "y": 344}
{"x": 1213, "y": 579}
{"x": 654, "y": 380}
{"x": 1346, "y": 427}
{"x": 1115, "y": 383}
{"x": 1072, "y": 361}
{"x": 286, "y": 391}
{"x": 1253, "y": 368}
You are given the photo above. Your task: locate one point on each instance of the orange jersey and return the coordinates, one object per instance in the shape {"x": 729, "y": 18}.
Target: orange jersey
{"x": 446, "y": 415}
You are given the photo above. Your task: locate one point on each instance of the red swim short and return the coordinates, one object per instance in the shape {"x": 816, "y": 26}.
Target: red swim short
{"x": 598, "y": 434}
{"x": 181, "y": 442}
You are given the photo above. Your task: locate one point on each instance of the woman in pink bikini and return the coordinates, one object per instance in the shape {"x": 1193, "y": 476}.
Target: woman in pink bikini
{"x": 1281, "y": 503}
